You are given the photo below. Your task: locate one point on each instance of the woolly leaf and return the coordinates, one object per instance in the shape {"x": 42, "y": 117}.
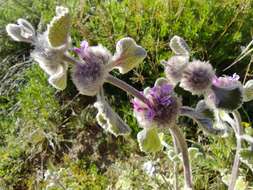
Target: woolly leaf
{"x": 128, "y": 55}
{"x": 179, "y": 46}
{"x": 59, "y": 79}
{"x": 149, "y": 140}
{"x": 203, "y": 121}
{"x": 227, "y": 98}
{"x": 248, "y": 91}
{"x": 21, "y": 32}
{"x": 58, "y": 29}
{"x": 109, "y": 120}
{"x": 27, "y": 25}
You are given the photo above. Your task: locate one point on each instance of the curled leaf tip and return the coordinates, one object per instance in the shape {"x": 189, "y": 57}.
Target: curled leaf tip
{"x": 128, "y": 55}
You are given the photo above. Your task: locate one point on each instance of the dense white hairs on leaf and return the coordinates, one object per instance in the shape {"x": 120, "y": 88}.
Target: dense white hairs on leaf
{"x": 128, "y": 55}
{"x": 58, "y": 29}
{"x": 248, "y": 91}
{"x": 26, "y": 25}
{"x": 59, "y": 78}
{"x": 179, "y": 46}
{"x": 109, "y": 120}
{"x": 21, "y": 32}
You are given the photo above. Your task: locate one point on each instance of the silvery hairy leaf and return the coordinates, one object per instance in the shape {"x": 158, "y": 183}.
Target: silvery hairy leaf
{"x": 58, "y": 29}
{"x": 128, "y": 55}
{"x": 179, "y": 46}
{"x": 109, "y": 120}
{"x": 22, "y": 32}
{"x": 205, "y": 122}
{"x": 248, "y": 91}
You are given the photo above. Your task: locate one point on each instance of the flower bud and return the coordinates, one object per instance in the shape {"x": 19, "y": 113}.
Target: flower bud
{"x": 197, "y": 77}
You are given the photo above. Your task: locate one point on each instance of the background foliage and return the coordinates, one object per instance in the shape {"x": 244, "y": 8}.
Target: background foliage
{"x": 42, "y": 129}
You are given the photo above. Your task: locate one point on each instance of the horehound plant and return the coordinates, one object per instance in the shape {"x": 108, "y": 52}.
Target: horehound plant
{"x": 157, "y": 108}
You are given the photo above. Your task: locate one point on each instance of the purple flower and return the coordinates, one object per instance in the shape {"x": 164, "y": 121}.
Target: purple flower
{"x": 197, "y": 77}
{"x": 174, "y": 68}
{"x": 90, "y": 74}
{"x": 163, "y": 108}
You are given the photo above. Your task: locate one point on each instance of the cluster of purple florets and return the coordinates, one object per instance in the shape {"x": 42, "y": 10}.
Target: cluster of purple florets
{"x": 163, "y": 108}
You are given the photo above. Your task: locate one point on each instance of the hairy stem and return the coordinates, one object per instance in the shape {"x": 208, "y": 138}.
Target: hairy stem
{"x": 127, "y": 88}
{"x": 176, "y": 132}
{"x": 238, "y": 132}
{"x": 175, "y": 165}
{"x": 70, "y": 59}
{"x": 203, "y": 121}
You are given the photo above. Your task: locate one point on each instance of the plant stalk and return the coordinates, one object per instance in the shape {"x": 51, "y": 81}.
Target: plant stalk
{"x": 175, "y": 164}
{"x": 180, "y": 139}
{"x": 238, "y": 132}
{"x": 127, "y": 88}
{"x": 70, "y": 59}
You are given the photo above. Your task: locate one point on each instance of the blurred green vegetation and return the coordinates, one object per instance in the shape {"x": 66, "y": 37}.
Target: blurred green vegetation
{"x": 43, "y": 129}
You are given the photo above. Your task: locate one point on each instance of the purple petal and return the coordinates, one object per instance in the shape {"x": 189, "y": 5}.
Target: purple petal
{"x": 166, "y": 89}
{"x": 150, "y": 114}
{"x": 165, "y": 101}
{"x": 235, "y": 77}
{"x": 84, "y": 44}
{"x": 77, "y": 50}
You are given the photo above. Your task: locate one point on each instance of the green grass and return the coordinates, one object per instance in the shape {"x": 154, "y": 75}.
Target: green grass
{"x": 41, "y": 128}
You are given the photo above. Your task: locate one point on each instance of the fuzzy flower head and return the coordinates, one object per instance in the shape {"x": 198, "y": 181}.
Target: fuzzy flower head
{"x": 227, "y": 93}
{"x": 163, "y": 109}
{"x": 89, "y": 75}
{"x": 197, "y": 77}
{"x": 96, "y": 62}
{"x": 174, "y": 68}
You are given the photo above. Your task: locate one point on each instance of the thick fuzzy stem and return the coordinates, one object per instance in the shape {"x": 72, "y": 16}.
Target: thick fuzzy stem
{"x": 127, "y": 88}
{"x": 175, "y": 164}
{"x": 238, "y": 132}
{"x": 69, "y": 59}
{"x": 176, "y": 132}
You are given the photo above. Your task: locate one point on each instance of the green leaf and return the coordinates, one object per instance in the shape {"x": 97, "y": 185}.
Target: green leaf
{"x": 194, "y": 153}
{"x": 59, "y": 78}
{"x": 149, "y": 140}
{"x": 58, "y": 29}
